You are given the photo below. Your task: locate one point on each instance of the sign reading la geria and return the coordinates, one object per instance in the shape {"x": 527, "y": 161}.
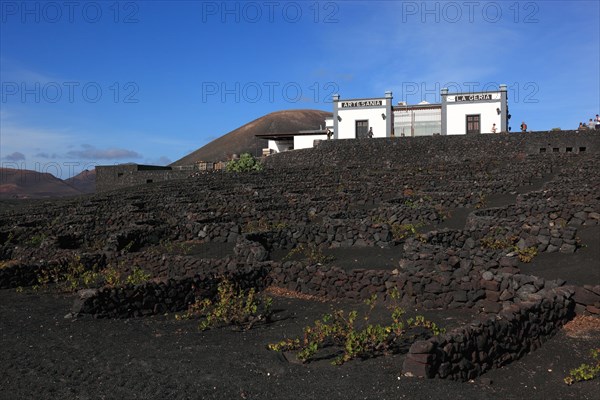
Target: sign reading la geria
{"x": 474, "y": 97}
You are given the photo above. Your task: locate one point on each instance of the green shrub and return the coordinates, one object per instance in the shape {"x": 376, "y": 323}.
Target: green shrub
{"x": 497, "y": 243}
{"x": 310, "y": 254}
{"x": 341, "y": 329}
{"x": 36, "y": 240}
{"x": 137, "y": 277}
{"x": 585, "y": 372}
{"x": 75, "y": 276}
{"x": 526, "y": 254}
{"x": 403, "y": 231}
{"x": 232, "y": 307}
{"x": 111, "y": 276}
{"x": 246, "y": 163}
{"x": 263, "y": 225}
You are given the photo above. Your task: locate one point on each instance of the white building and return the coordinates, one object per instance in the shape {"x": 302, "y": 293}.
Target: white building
{"x": 473, "y": 113}
{"x": 354, "y": 118}
{"x": 457, "y": 114}
{"x": 279, "y": 142}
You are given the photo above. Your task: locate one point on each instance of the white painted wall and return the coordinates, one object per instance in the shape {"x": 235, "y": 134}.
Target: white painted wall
{"x": 349, "y": 116}
{"x": 329, "y": 123}
{"x": 457, "y": 116}
{"x": 307, "y": 141}
{"x": 279, "y": 146}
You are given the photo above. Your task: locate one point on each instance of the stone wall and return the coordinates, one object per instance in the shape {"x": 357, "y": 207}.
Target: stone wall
{"x": 517, "y": 329}
{"x": 114, "y": 177}
{"x": 166, "y": 295}
{"x": 385, "y": 151}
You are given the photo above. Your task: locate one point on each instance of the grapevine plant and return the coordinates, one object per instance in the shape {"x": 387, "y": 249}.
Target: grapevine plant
{"x": 342, "y": 330}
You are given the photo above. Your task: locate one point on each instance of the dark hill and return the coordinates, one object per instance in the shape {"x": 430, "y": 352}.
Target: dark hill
{"x": 242, "y": 139}
{"x": 25, "y": 184}
{"x": 85, "y": 181}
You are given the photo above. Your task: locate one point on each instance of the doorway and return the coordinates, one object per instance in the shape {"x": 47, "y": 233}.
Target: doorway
{"x": 473, "y": 124}
{"x": 362, "y": 129}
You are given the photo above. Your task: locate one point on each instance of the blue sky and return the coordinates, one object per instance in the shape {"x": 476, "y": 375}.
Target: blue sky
{"x": 89, "y": 83}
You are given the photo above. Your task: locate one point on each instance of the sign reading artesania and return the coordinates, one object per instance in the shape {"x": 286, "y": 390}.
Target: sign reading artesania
{"x": 361, "y": 103}
{"x": 474, "y": 97}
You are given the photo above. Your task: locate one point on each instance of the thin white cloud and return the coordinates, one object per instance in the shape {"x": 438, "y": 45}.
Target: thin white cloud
{"x": 162, "y": 160}
{"x": 16, "y": 156}
{"x": 13, "y": 71}
{"x": 89, "y": 152}
{"x": 46, "y": 155}
{"x": 389, "y": 50}
{"x": 16, "y": 137}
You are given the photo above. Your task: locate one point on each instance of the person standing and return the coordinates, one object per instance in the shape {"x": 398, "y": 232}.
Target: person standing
{"x": 597, "y": 122}
{"x": 370, "y": 133}
{"x": 494, "y": 128}
{"x": 523, "y": 127}
{"x": 591, "y": 124}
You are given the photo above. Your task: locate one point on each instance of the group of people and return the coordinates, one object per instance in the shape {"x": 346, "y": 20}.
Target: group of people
{"x": 523, "y": 128}
{"x": 591, "y": 125}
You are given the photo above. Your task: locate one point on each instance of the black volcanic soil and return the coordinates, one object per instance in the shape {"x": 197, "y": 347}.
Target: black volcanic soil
{"x": 579, "y": 268}
{"x": 47, "y": 356}
{"x": 354, "y": 257}
{"x": 44, "y": 355}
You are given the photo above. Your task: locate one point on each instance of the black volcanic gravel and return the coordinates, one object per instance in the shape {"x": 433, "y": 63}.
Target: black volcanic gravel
{"x": 47, "y": 356}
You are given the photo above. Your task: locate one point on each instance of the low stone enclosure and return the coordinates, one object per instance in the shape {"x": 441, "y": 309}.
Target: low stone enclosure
{"x": 459, "y": 216}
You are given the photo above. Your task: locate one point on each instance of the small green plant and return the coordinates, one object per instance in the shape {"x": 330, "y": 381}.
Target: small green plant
{"x": 137, "y": 277}
{"x": 9, "y": 238}
{"x": 168, "y": 246}
{"x": 493, "y": 243}
{"x": 5, "y": 264}
{"x": 418, "y": 203}
{"x": 403, "y": 231}
{"x": 310, "y": 254}
{"x": 36, "y": 240}
{"x": 481, "y": 201}
{"x": 68, "y": 277}
{"x": 585, "y": 372}
{"x": 526, "y": 254}
{"x": 111, "y": 276}
{"x": 48, "y": 275}
{"x": 75, "y": 276}
{"x": 341, "y": 329}
{"x": 263, "y": 225}
{"x": 90, "y": 279}
{"x": 246, "y": 163}
{"x": 232, "y": 307}
{"x": 442, "y": 212}
{"x": 128, "y": 246}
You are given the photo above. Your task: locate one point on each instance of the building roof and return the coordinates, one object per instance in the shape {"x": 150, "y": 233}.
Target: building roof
{"x": 416, "y": 107}
{"x": 290, "y": 135}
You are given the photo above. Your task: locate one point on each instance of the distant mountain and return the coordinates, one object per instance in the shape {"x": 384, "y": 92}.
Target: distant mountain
{"x": 85, "y": 182}
{"x": 243, "y": 140}
{"x": 25, "y": 184}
